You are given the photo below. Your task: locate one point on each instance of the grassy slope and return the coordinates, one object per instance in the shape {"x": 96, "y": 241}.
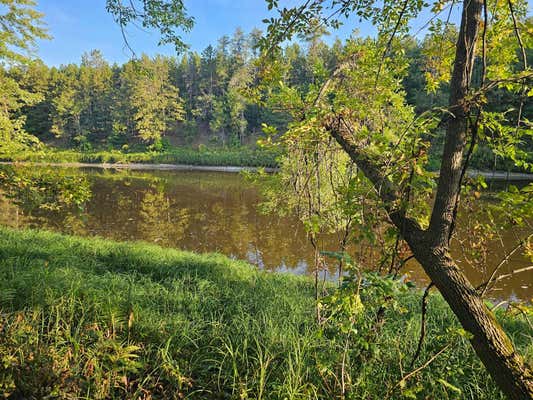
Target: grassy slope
{"x": 175, "y": 155}
{"x": 98, "y": 319}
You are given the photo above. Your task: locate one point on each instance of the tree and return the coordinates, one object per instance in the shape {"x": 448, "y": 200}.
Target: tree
{"x": 191, "y": 82}
{"x": 239, "y": 48}
{"x": 66, "y": 107}
{"x": 95, "y": 93}
{"x": 154, "y": 103}
{"x": 237, "y": 102}
{"x": 372, "y": 143}
{"x": 254, "y": 41}
{"x": 34, "y": 77}
{"x": 208, "y": 83}
{"x": 13, "y": 98}
{"x": 20, "y": 26}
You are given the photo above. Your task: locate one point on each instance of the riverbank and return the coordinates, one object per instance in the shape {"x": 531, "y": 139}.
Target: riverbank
{"x": 89, "y": 318}
{"x": 144, "y": 167}
{"x": 186, "y": 159}
{"x": 500, "y": 175}
{"x": 173, "y": 157}
{"x": 489, "y": 175}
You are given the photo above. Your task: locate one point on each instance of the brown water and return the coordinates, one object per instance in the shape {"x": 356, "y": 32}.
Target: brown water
{"x": 209, "y": 212}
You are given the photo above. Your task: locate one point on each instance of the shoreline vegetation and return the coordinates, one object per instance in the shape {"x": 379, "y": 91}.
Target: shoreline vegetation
{"x": 93, "y": 318}
{"x": 203, "y": 156}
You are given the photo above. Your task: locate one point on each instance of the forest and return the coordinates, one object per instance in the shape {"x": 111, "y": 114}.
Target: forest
{"x": 203, "y": 99}
{"x": 290, "y": 213}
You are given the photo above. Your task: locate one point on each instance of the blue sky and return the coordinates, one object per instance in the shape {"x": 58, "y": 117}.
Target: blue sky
{"x": 82, "y": 25}
{"x": 78, "y": 26}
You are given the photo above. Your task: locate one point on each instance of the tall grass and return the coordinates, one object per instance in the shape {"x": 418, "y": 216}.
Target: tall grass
{"x": 93, "y": 319}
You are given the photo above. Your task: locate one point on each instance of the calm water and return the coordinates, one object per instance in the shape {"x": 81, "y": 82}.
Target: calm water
{"x": 206, "y": 212}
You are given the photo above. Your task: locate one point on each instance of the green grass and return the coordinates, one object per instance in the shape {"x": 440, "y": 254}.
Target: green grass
{"x": 94, "y": 319}
{"x": 245, "y": 157}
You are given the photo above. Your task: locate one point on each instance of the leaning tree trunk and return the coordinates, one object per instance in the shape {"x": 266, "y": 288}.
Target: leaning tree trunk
{"x": 494, "y": 348}
{"x": 489, "y": 340}
{"x": 431, "y": 247}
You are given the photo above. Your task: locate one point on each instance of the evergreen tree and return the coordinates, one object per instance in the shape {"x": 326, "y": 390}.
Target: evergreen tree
{"x": 95, "y": 94}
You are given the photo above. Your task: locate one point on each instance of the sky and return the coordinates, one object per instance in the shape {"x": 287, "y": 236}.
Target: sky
{"x": 78, "y": 26}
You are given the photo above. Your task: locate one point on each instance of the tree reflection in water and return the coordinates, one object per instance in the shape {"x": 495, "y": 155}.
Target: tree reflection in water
{"x": 196, "y": 211}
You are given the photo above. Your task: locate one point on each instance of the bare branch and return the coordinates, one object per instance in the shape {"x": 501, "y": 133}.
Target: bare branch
{"x": 511, "y": 274}
{"x": 389, "y": 43}
{"x": 417, "y": 370}
{"x": 517, "y": 34}
{"x": 492, "y": 279}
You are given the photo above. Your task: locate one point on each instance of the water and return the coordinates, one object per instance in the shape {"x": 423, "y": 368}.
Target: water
{"x": 208, "y": 212}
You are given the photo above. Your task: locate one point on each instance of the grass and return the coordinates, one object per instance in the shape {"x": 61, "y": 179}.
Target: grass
{"x": 94, "y": 319}
{"x": 245, "y": 157}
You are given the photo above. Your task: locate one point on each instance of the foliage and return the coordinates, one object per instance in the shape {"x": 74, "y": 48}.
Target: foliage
{"x": 43, "y": 190}
{"x": 20, "y": 27}
{"x": 13, "y": 137}
{"x": 211, "y": 97}
{"x": 361, "y": 105}
{"x": 167, "y": 16}
{"x": 317, "y": 180}
{"x": 366, "y": 94}
{"x": 150, "y": 103}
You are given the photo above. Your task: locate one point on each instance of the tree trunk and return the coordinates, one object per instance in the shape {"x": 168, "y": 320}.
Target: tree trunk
{"x": 489, "y": 340}
{"x": 449, "y": 185}
{"x": 431, "y": 247}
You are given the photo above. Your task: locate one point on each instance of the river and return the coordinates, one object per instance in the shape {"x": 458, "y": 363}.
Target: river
{"x": 210, "y": 212}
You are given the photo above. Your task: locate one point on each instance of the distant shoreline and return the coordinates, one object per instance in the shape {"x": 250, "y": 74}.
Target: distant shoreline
{"x": 496, "y": 175}
{"x": 144, "y": 167}
{"x": 500, "y": 175}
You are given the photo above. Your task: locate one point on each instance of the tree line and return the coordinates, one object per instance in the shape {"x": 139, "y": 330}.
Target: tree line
{"x": 208, "y": 97}
{"x": 95, "y": 103}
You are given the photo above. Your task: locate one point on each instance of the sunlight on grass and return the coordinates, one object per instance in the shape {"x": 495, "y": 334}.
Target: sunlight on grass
{"x": 96, "y": 319}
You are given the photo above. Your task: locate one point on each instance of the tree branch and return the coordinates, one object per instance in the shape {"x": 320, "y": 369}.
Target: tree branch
{"x": 414, "y": 372}
{"x": 493, "y": 279}
{"x": 422, "y": 325}
{"x": 388, "y": 193}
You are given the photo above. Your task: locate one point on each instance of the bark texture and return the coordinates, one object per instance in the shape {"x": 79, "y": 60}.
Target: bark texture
{"x": 431, "y": 247}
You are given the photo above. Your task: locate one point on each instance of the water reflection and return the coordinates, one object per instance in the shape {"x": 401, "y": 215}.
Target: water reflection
{"x": 198, "y": 211}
